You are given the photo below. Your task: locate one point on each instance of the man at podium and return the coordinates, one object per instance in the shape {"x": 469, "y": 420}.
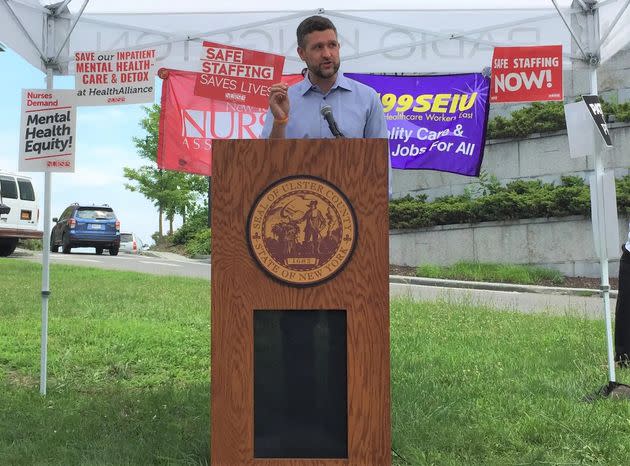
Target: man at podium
{"x": 325, "y": 103}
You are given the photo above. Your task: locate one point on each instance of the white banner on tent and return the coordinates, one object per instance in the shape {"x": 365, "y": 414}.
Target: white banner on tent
{"x": 421, "y": 41}
{"x": 410, "y": 40}
{"x": 47, "y": 131}
{"x": 110, "y": 78}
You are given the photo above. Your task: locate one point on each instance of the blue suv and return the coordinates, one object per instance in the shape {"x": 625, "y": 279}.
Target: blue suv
{"x": 86, "y": 226}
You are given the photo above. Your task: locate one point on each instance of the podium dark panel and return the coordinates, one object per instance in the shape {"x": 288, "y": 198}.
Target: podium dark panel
{"x": 300, "y": 384}
{"x": 242, "y": 292}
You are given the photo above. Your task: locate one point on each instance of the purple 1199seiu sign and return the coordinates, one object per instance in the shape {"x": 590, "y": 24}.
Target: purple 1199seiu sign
{"x": 434, "y": 122}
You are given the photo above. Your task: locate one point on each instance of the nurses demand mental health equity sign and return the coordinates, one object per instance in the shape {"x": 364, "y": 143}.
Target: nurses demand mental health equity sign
{"x": 434, "y": 122}
{"x": 111, "y": 78}
{"x": 233, "y": 74}
{"x": 526, "y": 74}
{"x": 47, "y": 131}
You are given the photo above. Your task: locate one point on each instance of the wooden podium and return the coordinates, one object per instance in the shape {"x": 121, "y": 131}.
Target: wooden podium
{"x": 300, "y": 303}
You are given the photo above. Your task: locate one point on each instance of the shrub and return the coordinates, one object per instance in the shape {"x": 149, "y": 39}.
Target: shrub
{"x": 621, "y": 112}
{"x": 539, "y": 117}
{"x": 517, "y": 200}
{"x": 200, "y": 244}
{"x": 623, "y": 195}
{"x": 162, "y": 241}
{"x": 196, "y": 222}
{"x": 31, "y": 244}
{"x": 544, "y": 117}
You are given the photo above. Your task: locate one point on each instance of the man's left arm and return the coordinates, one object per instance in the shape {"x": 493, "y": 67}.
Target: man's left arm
{"x": 376, "y": 127}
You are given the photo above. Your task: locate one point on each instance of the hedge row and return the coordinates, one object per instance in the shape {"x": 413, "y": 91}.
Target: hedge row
{"x": 544, "y": 117}
{"x": 516, "y": 200}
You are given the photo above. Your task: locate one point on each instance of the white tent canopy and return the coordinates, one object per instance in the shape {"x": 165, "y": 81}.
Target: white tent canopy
{"x": 402, "y": 38}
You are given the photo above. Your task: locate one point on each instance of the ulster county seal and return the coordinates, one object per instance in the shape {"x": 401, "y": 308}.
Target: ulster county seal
{"x": 302, "y": 230}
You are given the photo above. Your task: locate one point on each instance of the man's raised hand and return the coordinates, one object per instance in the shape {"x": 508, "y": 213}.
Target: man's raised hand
{"x": 279, "y": 101}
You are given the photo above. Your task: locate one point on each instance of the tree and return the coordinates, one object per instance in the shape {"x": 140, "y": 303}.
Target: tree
{"x": 173, "y": 193}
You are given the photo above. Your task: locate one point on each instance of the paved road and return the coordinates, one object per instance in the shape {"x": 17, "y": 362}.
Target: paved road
{"x": 528, "y": 299}
{"x": 156, "y": 263}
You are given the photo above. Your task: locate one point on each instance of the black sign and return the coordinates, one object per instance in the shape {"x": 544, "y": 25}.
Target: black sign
{"x": 595, "y": 109}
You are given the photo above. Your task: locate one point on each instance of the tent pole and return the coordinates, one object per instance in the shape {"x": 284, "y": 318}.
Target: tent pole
{"x": 566, "y": 23}
{"x": 593, "y": 34}
{"x": 59, "y": 8}
{"x": 603, "y": 256}
{"x": 74, "y": 24}
{"x": 23, "y": 29}
{"x": 45, "y": 266}
{"x": 613, "y": 24}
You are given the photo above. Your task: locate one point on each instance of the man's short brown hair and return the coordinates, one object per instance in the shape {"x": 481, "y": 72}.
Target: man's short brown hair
{"x": 310, "y": 24}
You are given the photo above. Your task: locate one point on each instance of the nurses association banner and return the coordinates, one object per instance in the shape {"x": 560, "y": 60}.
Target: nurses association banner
{"x": 189, "y": 123}
{"x": 434, "y": 122}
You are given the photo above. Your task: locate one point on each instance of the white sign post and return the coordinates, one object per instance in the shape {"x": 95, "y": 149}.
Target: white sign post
{"x": 47, "y": 144}
{"x": 584, "y": 120}
{"x": 600, "y": 210}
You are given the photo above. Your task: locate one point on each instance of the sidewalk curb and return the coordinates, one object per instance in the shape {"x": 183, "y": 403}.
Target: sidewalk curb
{"x": 423, "y": 281}
{"x": 508, "y": 287}
{"x": 162, "y": 254}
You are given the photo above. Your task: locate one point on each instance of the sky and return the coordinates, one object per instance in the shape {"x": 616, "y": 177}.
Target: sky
{"x": 104, "y": 146}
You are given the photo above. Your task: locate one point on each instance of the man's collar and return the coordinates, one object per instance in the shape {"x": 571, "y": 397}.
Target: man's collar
{"x": 342, "y": 82}
{"x": 305, "y": 85}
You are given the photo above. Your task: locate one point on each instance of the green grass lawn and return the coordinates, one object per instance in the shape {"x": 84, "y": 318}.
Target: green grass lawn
{"x": 129, "y": 358}
{"x": 477, "y": 386}
{"x": 129, "y": 363}
{"x": 491, "y": 272}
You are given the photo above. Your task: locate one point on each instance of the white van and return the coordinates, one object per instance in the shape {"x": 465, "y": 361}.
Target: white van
{"x": 17, "y": 193}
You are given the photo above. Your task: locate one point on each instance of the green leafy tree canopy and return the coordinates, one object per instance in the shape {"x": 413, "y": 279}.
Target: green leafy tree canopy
{"x": 171, "y": 192}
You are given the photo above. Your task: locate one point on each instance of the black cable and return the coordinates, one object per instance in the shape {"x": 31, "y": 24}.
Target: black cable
{"x": 400, "y": 456}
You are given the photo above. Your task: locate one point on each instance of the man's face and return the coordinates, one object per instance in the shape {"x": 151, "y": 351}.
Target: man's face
{"x": 321, "y": 53}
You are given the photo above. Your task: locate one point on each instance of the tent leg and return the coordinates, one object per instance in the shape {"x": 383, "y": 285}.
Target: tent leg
{"x": 45, "y": 267}
{"x": 45, "y": 284}
{"x": 603, "y": 256}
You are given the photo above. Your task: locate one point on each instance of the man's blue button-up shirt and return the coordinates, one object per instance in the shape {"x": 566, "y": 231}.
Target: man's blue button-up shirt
{"x": 356, "y": 107}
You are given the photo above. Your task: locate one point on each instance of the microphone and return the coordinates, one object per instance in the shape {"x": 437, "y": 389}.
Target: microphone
{"x": 326, "y": 112}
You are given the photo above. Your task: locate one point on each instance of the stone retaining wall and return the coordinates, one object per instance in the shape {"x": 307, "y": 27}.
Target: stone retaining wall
{"x": 563, "y": 243}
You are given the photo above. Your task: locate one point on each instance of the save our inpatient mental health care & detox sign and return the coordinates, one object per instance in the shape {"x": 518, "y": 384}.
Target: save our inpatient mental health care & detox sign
{"x": 114, "y": 78}
{"x": 47, "y": 131}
